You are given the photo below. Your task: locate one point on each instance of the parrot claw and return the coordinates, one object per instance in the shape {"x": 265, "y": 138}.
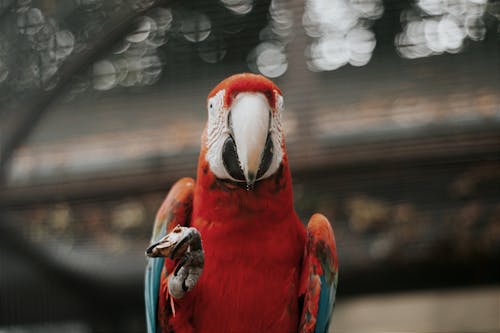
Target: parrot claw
{"x": 183, "y": 244}
{"x": 175, "y": 243}
{"x": 186, "y": 273}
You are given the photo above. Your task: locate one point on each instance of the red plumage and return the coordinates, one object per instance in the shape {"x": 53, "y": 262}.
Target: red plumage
{"x": 246, "y": 82}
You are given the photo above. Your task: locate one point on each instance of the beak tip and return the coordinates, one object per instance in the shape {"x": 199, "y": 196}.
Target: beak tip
{"x": 251, "y": 177}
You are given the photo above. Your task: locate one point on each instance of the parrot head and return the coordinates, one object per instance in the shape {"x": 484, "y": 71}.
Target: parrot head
{"x": 244, "y": 139}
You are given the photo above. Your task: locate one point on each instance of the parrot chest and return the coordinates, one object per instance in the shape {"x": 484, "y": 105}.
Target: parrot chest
{"x": 251, "y": 277}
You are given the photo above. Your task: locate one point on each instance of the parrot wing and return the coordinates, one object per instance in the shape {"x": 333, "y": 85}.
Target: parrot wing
{"x": 175, "y": 210}
{"x": 319, "y": 276}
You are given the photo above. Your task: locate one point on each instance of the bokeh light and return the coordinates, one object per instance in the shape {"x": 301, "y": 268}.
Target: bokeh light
{"x": 62, "y": 44}
{"x": 269, "y": 57}
{"x": 340, "y": 32}
{"x": 135, "y": 61}
{"x": 271, "y": 60}
{"x": 43, "y": 46}
{"x": 104, "y": 74}
{"x": 239, "y": 7}
{"x": 433, "y": 27}
{"x": 196, "y": 27}
{"x": 30, "y": 21}
{"x": 146, "y": 28}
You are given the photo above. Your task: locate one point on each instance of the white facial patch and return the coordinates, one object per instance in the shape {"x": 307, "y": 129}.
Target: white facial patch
{"x": 217, "y": 132}
{"x": 249, "y": 120}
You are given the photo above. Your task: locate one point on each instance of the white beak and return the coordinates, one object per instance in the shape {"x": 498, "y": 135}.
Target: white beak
{"x": 249, "y": 121}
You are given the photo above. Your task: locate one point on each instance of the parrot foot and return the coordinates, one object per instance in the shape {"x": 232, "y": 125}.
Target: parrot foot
{"x": 182, "y": 244}
{"x": 186, "y": 274}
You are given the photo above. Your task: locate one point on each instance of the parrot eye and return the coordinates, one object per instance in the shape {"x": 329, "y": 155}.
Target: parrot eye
{"x": 230, "y": 160}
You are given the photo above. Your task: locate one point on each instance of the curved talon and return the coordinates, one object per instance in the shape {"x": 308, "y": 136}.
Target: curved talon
{"x": 181, "y": 263}
{"x": 175, "y": 243}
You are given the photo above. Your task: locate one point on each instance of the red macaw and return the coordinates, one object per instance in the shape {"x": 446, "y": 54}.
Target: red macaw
{"x": 233, "y": 255}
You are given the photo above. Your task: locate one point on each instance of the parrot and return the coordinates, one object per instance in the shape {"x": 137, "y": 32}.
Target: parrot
{"x": 228, "y": 252}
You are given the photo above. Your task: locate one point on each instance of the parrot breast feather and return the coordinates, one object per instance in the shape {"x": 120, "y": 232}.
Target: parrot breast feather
{"x": 175, "y": 210}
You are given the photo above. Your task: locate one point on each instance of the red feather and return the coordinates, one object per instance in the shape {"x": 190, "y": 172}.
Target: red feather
{"x": 246, "y": 82}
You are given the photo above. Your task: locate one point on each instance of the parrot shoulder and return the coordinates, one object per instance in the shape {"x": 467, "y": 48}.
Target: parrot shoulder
{"x": 319, "y": 276}
{"x": 176, "y": 208}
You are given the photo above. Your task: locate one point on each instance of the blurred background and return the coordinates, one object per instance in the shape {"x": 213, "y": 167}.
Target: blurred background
{"x": 392, "y": 119}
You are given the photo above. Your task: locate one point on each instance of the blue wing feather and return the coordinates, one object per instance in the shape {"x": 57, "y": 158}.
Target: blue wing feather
{"x": 152, "y": 288}
{"x": 326, "y": 305}
{"x": 175, "y": 210}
